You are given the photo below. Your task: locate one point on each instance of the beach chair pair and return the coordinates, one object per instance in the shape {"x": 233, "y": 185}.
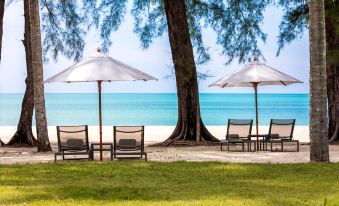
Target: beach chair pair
{"x": 128, "y": 141}
{"x": 239, "y": 131}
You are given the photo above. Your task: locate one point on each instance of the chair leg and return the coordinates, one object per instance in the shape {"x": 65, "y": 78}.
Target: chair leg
{"x": 243, "y": 146}
{"x": 145, "y": 157}
{"x": 221, "y": 146}
{"x": 282, "y": 145}
{"x": 298, "y": 146}
{"x": 271, "y": 146}
{"x": 90, "y": 155}
{"x": 228, "y": 146}
{"x": 55, "y": 158}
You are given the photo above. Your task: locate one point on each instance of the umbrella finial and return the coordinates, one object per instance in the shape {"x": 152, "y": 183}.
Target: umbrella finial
{"x": 98, "y": 49}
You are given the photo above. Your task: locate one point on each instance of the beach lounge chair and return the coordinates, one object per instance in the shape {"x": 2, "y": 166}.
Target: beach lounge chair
{"x": 238, "y": 131}
{"x": 281, "y": 131}
{"x": 73, "y": 141}
{"x": 129, "y": 142}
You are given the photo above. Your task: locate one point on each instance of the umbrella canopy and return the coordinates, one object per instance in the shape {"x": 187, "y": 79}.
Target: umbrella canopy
{"x": 99, "y": 68}
{"x": 255, "y": 74}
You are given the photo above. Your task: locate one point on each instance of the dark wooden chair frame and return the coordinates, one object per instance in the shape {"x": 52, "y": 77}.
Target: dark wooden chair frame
{"x": 64, "y": 151}
{"x": 126, "y": 151}
{"x": 106, "y": 144}
{"x": 241, "y": 140}
{"x": 282, "y": 140}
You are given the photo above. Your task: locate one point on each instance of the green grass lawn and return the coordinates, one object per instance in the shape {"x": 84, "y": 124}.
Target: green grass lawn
{"x": 178, "y": 183}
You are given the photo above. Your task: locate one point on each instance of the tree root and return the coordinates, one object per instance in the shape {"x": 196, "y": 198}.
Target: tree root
{"x": 184, "y": 135}
{"x": 335, "y": 134}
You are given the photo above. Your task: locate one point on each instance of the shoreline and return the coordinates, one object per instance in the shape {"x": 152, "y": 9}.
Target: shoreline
{"x": 153, "y": 134}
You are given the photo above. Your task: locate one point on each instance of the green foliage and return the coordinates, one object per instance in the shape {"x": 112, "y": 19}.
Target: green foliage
{"x": 62, "y": 29}
{"x": 236, "y": 23}
{"x": 177, "y": 183}
{"x": 150, "y": 20}
{"x": 113, "y": 14}
{"x": 294, "y": 22}
{"x": 332, "y": 31}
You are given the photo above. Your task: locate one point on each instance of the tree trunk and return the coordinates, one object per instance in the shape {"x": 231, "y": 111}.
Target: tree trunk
{"x": 332, "y": 38}
{"x": 333, "y": 101}
{"x": 38, "y": 80}
{"x": 319, "y": 151}
{"x": 2, "y": 11}
{"x": 332, "y": 95}
{"x": 189, "y": 126}
{"x": 24, "y": 134}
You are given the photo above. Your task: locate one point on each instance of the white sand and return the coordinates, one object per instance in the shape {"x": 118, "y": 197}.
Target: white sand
{"x": 159, "y": 133}
{"x": 152, "y": 133}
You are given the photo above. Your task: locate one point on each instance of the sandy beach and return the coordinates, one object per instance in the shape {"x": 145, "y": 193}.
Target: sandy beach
{"x": 155, "y": 134}
{"x": 152, "y": 133}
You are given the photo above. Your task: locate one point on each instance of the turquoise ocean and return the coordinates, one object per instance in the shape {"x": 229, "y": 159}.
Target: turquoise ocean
{"x": 157, "y": 108}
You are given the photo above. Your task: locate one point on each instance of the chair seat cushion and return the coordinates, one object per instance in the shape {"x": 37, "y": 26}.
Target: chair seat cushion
{"x": 74, "y": 143}
{"x": 274, "y": 136}
{"x": 232, "y": 136}
{"x": 127, "y": 143}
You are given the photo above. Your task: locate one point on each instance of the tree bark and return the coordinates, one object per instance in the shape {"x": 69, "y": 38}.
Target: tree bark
{"x": 38, "y": 81}
{"x": 24, "y": 135}
{"x": 189, "y": 125}
{"x": 2, "y": 11}
{"x": 319, "y": 151}
{"x": 333, "y": 101}
{"x": 332, "y": 39}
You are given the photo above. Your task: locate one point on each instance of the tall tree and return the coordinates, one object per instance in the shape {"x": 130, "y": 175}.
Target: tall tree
{"x": 295, "y": 22}
{"x": 63, "y": 34}
{"x": 24, "y": 135}
{"x": 319, "y": 151}
{"x": 236, "y": 24}
{"x": 332, "y": 38}
{"x": 190, "y": 125}
{"x": 38, "y": 81}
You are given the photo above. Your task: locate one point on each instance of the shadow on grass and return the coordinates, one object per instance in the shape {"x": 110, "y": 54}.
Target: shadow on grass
{"x": 260, "y": 184}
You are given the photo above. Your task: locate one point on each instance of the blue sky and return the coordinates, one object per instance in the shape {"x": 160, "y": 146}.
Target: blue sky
{"x": 293, "y": 60}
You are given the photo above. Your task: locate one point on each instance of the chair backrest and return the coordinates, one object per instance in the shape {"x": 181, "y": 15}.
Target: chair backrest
{"x": 281, "y": 128}
{"x": 239, "y": 128}
{"x": 128, "y": 138}
{"x": 73, "y": 137}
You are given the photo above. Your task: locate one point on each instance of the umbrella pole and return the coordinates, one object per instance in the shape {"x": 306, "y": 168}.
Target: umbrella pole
{"x": 255, "y": 86}
{"x": 100, "y": 119}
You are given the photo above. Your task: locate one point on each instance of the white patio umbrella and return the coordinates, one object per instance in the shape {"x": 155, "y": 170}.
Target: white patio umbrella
{"x": 253, "y": 75}
{"x": 99, "y": 68}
